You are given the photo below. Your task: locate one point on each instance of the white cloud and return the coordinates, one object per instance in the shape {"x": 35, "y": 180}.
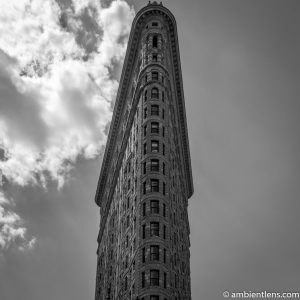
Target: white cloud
{"x": 54, "y": 103}
{"x": 11, "y": 227}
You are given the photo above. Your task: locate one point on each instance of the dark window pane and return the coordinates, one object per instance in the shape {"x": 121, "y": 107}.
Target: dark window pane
{"x": 144, "y": 255}
{"x": 155, "y": 127}
{"x": 154, "y": 165}
{"x": 154, "y": 206}
{"x": 154, "y": 146}
{"x": 154, "y": 42}
{"x": 154, "y": 185}
{"x": 155, "y": 77}
{"x": 154, "y": 277}
{"x": 154, "y": 110}
{"x": 154, "y": 229}
{"x": 154, "y": 252}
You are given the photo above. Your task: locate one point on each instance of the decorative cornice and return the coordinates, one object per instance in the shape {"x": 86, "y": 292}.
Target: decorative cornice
{"x": 127, "y": 72}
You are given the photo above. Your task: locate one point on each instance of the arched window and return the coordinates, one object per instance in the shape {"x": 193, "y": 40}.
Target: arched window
{"x": 154, "y": 93}
{"x": 145, "y": 96}
{"x": 154, "y": 42}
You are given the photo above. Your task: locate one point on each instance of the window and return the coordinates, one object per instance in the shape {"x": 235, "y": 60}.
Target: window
{"x": 145, "y": 96}
{"x": 154, "y": 24}
{"x": 154, "y": 146}
{"x": 163, "y": 114}
{"x": 154, "y": 297}
{"x": 145, "y": 130}
{"x": 143, "y": 255}
{"x": 144, "y": 187}
{"x": 154, "y": 229}
{"x": 163, "y": 131}
{"x": 163, "y": 96}
{"x": 154, "y": 277}
{"x": 154, "y": 252}
{"x": 164, "y": 149}
{"x": 143, "y": 279}
{"x": 154, "y": 206}
{"x": 144, "y": 167}
{"x": 144, "y": 231}
{"x": 154, "y": 165}
{"x": 165, "y": 231}
{"x": 154, "y": 57}
{"x": 164, "y": 210}
{"x": 128, "y": 184}
{"x": 145, "y": 112}
{"x": 165, "y": 255}
{"x": 154, "y": 110}
{"x": 154, "y": 42}
{"x": 154, "y": 127}
{"x": 145, "y": 148}
{"x": 164, "y": 168}
{"x": 154, "y": 93}
{"x": 154, "y": 185}
{"x": 144, "y": 209}
{"x": 154, "y": 76}
{"x": 164, "y": 188}
{"x": 165, "y": 280}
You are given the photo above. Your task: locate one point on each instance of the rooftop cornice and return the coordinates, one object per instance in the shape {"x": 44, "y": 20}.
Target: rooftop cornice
{"x": 146, "y": 12}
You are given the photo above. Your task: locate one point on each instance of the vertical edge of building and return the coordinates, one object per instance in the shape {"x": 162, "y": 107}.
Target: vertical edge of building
{"x": 146, "y": 178}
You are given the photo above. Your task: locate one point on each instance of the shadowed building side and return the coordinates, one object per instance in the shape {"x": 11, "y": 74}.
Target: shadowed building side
{"x": 146, "y": 180}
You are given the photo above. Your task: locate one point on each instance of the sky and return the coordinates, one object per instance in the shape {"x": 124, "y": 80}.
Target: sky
{"x": 60, "y": 64}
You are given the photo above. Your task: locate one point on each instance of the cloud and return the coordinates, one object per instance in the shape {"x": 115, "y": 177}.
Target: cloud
{"x": 55, "y": 94}
{"x": 11, "y": 229}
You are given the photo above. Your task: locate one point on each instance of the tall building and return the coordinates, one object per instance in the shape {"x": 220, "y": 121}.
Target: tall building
{"x": 146, "y": 179}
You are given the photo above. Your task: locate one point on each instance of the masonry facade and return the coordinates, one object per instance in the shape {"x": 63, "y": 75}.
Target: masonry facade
{"x": 146, "y": 180}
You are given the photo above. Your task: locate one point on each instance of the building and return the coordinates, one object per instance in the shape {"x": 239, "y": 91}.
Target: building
{"x": 146, "y": 180}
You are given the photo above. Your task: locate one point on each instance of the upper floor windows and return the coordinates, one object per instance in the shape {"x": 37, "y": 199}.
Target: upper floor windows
{"x": 154, "y": 252}
{"x": 155, "y": 41}
{"x": 144, "y": 231}
{"x": 143, "y": 255}
{"x": 154, "y": 185}
{"x": 154, "y": 57}
{"x": 154, "y": 75}
{"x": 154, "y": 146}
{"x": 154, "y": 277}
{"x": 154, "y": 206}
{"x": 154, "y": 229}
{"x": 154, "y": 110}
{"x": 154, "y": 93}
{"x": 155, "y": 127}
{"x": 154, "y": 166}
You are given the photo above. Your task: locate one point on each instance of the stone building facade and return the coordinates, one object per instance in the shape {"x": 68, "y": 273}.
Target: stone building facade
{"x": 146, "y": 180}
